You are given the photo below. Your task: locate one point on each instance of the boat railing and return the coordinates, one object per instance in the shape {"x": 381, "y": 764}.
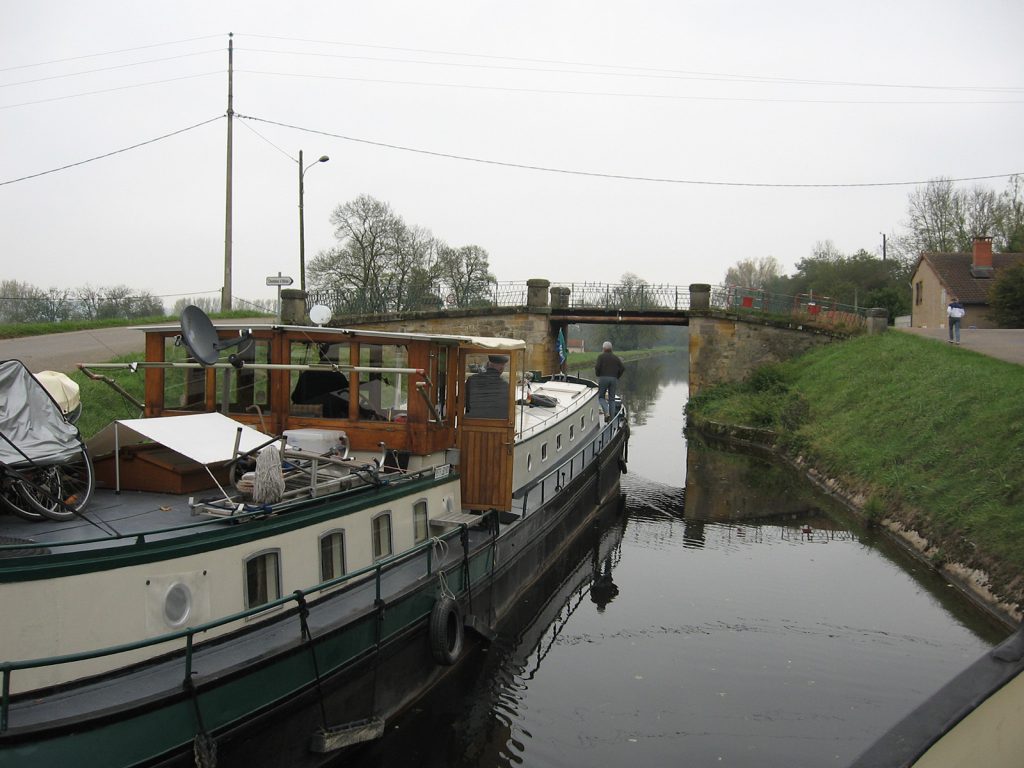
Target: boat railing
{"x": 536, "y": 492}
{"x": 553, "y": 414}
{"x": 297, "y": 599}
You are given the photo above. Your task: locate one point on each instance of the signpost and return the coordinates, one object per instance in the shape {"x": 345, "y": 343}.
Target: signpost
{"x": 280, "y": 281}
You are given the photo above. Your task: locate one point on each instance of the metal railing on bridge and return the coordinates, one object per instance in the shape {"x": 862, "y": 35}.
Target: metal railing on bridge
{"x": 612, "y": 297}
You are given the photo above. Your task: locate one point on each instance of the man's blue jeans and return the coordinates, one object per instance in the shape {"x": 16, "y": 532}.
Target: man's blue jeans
{"x": 606, "y": 393}
{"x": 954, "y": 328}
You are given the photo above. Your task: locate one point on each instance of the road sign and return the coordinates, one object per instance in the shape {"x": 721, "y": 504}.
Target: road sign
{"x": 279, "y": 280}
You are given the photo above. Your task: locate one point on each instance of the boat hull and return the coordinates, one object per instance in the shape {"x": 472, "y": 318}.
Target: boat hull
{"x": 275, "y": 711}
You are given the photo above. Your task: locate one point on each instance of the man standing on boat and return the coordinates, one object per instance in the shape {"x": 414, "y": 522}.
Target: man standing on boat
{"x": 609, "y": 370}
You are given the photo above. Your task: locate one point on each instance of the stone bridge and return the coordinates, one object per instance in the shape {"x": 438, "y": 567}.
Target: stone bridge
{"x": 732, "y": 330}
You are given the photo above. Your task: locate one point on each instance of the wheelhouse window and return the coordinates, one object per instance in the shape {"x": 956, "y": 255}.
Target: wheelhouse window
{"x": 262, "y": 578}
{"x": 332, "y": 555}
{"x": 420, "y": 522}
{"x": 380, "y": 527}
{"x": 319, "y": 393}
{"x": 247, "y": 386}
{"x": 184, "y": 388}
{"x": 487, "y": 386}
{"x": 383, "y": 396}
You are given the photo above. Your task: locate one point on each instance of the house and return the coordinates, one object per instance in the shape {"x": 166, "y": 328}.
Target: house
{"x": 937, "y": 277}
{"x": 576, "y": 345}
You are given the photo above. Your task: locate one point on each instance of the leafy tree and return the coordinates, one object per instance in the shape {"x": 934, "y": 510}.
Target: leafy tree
{"x": 21, "y": 303}
{"x": 756, "y": 273}
{"x": 1006, "y": 297}
{"x": 944, "y": 219}
{"x": 464, "y": 274}
{"x": 631, "y": 293}
{"x": 1009, "y": 229}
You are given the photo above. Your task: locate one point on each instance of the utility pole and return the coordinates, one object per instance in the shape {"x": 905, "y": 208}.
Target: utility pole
{"x": 883, "y": 245}
{"x": 225, "y": 297}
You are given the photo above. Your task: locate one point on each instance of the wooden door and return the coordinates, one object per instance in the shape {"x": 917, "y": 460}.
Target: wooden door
{"x": 486, "y": 437}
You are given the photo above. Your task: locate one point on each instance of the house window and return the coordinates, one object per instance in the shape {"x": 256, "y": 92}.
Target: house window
{"x": 381, "y": 528}
{"x": 332, "y": 555}
{"x": 262, "y": 578}
{"x": 419, "y": 521}
{"x": 918, "y": 292}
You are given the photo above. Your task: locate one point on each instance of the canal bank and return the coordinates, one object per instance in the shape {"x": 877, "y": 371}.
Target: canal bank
{"x": 924, "y": 440}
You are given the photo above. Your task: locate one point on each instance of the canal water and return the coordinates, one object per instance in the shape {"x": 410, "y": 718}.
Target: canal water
{"x": 725, "y": 614}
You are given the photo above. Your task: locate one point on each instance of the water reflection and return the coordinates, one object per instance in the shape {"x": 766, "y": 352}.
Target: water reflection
{"x": 729, "y": 614}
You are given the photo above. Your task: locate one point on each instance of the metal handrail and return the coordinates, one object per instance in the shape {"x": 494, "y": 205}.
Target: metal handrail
{"x": 188, "y": 633}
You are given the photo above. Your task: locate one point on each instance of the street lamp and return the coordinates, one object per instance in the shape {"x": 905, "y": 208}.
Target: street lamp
{"x": 302, "y": 235}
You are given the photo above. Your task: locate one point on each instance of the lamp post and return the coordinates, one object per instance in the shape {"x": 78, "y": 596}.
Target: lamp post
{"x": 302, "y": 235}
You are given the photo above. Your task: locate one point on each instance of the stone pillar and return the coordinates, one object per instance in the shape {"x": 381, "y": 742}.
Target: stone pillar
{"x": 293, "y": 307}
{"x": 700, "y": 296}
{"x": 537, "y": 293}
{"x": 560, "y": 297}
{"x": 877, "y": 320}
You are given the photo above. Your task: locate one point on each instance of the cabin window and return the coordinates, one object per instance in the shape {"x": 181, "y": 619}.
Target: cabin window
{"x": 332, "y": 555}
{"x": 440, "y": 379}
{"x": 184, "y": 388}
{"x": 529, "y": 462}
{"x": 583, "y": 423}
{"x": 383, "y": 396}
{"x": 247, "y": 386}
{"x": 543, "y": 451}
{"x": 572, "y": 432}
{"x": 381, "y": 529}
{"x": 487, "y": 385}
{"x": 319, "y": 393}
{"x": 420, "y": 521}
{"x": 262, "y": 578}
{"x": 558, "y": 442}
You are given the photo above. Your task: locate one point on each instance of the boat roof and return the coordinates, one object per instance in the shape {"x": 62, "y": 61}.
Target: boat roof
{"x": 486, "y": 342}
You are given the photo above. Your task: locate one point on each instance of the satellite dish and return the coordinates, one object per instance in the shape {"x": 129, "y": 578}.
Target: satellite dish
{"x": 201, "y": 340}
{"x": 320, "y": 315}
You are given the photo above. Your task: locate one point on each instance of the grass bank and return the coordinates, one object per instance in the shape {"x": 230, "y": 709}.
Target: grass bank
{"x": 923, "y": 436}
{"x": 20, "y": 330}
{"x": 584, "y": 361}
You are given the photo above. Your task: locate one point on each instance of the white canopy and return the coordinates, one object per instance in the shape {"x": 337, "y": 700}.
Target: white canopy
{"x": 206, "y": 438}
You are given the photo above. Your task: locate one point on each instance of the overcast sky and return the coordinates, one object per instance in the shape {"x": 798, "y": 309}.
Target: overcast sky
{"x": 745, "y": 97}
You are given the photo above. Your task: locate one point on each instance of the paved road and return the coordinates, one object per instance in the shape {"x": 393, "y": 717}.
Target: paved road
{"x": 1004, "y": 344}
{"x": 64, "y": 351}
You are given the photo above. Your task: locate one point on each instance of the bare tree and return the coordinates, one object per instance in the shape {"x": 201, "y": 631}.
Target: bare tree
{"x": 753, "y": 273}
{"x": 464, "y": 273}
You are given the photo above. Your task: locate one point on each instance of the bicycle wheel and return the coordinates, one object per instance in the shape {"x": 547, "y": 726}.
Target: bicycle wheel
{"x": 13, "y": 500}
{"x": 60, "y": 491}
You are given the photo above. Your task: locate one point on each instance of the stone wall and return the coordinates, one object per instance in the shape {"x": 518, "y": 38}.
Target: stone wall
{"x": 724, "y": 349}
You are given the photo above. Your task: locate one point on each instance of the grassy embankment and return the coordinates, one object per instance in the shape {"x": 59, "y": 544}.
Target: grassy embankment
{"x": 19, "y": 330}
{"x": 920, "y": 434}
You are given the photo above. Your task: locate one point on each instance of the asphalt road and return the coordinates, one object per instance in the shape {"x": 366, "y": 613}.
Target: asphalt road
{"x": 1001, "y": 343}
{"x": 63, "y": 351}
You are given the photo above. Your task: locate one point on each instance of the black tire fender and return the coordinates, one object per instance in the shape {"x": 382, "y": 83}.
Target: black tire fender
{"x": 446, "y": 631}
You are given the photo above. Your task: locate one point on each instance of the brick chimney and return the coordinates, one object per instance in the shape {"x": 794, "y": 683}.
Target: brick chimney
{"x": 981, "y": 261}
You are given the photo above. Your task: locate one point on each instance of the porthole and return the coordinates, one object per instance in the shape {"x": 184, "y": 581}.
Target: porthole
{"x": 558, "y": 442}
{"x": 529, "y": 462}
{"x": 544, "y": 452}
{"x": 572, "y": 432}
{"x": 177, "y": 604}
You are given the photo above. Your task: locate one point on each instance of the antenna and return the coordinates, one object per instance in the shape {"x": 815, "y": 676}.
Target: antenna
{"x": 201, "y": 340}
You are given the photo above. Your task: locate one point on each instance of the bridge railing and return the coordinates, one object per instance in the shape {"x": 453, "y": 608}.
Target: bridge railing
{"x": 643, "y": 297}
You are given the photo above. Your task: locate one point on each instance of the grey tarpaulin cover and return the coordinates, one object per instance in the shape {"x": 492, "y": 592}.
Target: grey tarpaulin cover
{"x": 31, "y": 420}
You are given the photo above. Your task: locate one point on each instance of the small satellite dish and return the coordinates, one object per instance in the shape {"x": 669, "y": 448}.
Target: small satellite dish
{"x": 320, "y": 315}
{"x": 200, "y": 337}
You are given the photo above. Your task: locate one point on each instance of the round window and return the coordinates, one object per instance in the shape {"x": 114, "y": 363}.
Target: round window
{"x": 177, "y": 604}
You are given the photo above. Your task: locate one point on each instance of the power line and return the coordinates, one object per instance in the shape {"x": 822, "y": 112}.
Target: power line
{"x": 107, "y": 69}
{"x": 293, "y": 159}
{"x": 596, "y": 174}
{"x": 110, "y": 90}
{"x": 689, "y": 73}
{"x": 107, "y": 53}
{"x": 620, "y": 94}
{"x": 109, "y": 154}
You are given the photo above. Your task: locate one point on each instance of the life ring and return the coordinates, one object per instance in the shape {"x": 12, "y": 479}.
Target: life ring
{"x": 446, "y": 631}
